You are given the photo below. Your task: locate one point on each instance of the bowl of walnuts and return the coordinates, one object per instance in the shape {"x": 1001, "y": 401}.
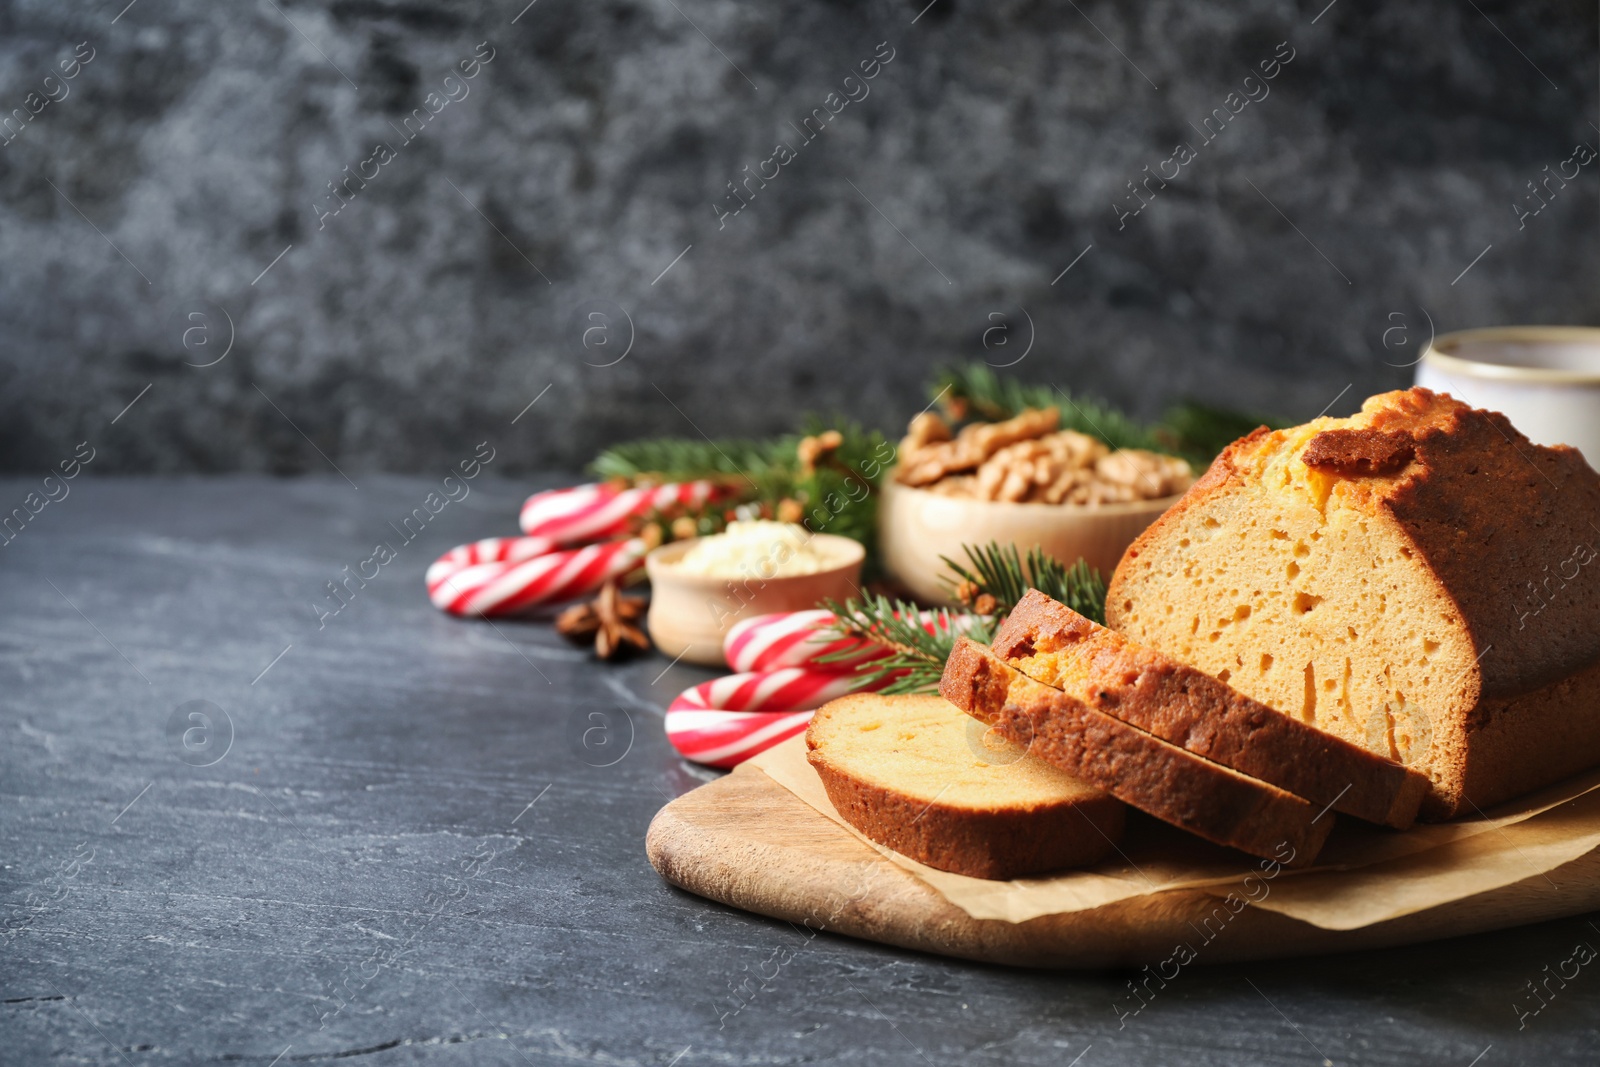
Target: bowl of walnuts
{"x": 1023, "y": 481}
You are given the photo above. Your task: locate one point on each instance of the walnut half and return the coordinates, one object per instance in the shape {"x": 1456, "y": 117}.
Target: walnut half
{"x": 1151, "y": 474}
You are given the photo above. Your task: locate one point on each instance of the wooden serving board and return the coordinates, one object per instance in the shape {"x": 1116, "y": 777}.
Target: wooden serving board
{"x": 746, "y": 841}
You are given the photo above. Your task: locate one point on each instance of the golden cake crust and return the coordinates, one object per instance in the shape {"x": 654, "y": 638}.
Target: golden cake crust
{"x": 1163, "y": 780}
{"x": 1048, "y": 829}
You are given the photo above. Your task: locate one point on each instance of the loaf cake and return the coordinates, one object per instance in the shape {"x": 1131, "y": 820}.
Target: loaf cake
{"x": 1161, "y": 779}
{"x": 1051, "y": 643}
{"x": 914, "y": 774}
{"x": 1414, "y": 579}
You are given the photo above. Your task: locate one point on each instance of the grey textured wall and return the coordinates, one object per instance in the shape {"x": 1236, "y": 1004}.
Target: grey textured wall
{"x": 196, "y": 147}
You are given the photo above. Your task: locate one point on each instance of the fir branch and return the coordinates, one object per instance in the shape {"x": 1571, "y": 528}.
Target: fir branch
{"x": 667, "y": 459}
{"x": 916, "y": 651}
{"x": 976, "y": 391}
{"x": 1000, "y": 572}
{"x": 1198, "y": 432}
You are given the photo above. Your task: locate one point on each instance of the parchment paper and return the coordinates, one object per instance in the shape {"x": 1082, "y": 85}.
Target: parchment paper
{"x": 1364, "y": 875}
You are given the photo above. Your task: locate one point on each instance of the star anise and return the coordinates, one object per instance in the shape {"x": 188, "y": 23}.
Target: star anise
{"x": 608, "y": 621}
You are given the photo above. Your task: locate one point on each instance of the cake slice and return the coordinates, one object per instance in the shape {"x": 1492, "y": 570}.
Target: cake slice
{"x": 1168, "y": 782}
{"x": 914, "y": 774}
{"x": 1051, "y": 643}
{"x": 1418, "y": 579}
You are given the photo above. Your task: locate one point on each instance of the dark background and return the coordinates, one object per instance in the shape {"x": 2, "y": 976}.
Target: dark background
{"x": 431, "y": 310}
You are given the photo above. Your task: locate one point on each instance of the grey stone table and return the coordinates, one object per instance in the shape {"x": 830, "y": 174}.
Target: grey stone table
{"x": 396, "y": 837}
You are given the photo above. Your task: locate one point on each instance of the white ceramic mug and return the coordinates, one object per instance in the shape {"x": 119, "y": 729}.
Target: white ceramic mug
{"x": 1545, "y": 379}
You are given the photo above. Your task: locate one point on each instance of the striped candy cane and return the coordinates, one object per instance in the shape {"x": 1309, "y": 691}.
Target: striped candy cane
{"x": 728, "y": 738}
{"x": 489, "y": 550}
{"x": 787, "y": 689}
{"x": 505, "y": 587}
{"x": 800, "y": 638}
{"x": 599, "y": 510}
{"x": 792, "y": 639}
{"x": 727, "y": 720}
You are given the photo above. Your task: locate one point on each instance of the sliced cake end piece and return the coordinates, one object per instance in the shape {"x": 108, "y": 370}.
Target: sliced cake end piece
{"x": 1163, "y": 780}
{"x": 1051, "y": 643}
{"x": 916, "y": 775}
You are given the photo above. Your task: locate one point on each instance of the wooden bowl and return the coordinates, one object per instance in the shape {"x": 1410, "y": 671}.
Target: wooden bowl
{"x": 690, "y": 614}
{"x": 917, "y": 526}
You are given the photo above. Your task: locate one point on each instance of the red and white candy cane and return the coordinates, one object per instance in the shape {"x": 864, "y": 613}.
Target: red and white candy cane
{"x": 514, "y": 584}
{"x": 488, "y": 550}
{"x": 792, "y": 639}
{"x": 800, "y": 638}
{"x": 727, "y": 720}
{"x": 787, "y": 689}
{"x": 598, "y": 511}
{"x": 728, "y": 738}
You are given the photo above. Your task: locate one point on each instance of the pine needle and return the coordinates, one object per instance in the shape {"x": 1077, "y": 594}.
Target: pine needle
{"x": 976, "y": 391}
{"x": 671, "y": 459}
{"x": 917, "y": 643}
{"x": 1198, "y": 432}
{"x": 1000, "y": 571}
{"x": 917, "y": 651}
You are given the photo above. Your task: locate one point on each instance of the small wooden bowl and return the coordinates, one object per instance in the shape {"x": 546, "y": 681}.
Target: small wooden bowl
{"x": 690, "y": 614}
{"x": 917, "y": 526}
